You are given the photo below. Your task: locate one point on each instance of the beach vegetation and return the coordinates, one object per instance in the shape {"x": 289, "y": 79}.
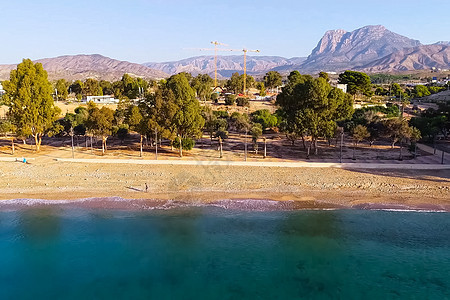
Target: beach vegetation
{"x": 256, "y": 132}
{"x": 187, "y": 120}
{"x": 311, "y": 107}
{"x": 100, "y": 123}
{"x": 186, "y": 143}
{"x": 29, "y": 98}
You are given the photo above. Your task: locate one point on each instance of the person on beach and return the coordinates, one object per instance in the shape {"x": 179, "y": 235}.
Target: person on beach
{"x": 146, "y": 187}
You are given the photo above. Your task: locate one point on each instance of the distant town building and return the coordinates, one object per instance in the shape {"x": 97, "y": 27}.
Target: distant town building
{"x": 342, "y": 87}
{"x": 100, "y": 99}
{"x": 2, "y": 91}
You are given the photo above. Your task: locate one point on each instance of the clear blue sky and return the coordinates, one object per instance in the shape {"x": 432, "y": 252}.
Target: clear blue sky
{"x": 161, "y": 30}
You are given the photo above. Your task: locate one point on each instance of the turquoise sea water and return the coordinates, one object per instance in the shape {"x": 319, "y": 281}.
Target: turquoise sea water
{"x": 211, "y": 253}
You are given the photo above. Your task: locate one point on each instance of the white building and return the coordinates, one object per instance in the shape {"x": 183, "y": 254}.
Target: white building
{"x": 100, "y": 99}
{"x": 2, "y": 91}
{"x": 342, "y": 87}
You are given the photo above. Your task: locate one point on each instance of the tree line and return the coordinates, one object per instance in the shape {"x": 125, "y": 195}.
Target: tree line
{"x": 308, "y": 109}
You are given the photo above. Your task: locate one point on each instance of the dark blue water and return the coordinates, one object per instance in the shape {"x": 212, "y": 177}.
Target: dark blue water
{"x": 211, "y": 253}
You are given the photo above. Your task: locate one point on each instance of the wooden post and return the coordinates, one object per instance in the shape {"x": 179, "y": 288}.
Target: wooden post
{"x": 220, "y": 147}
{"x": 140, "y": 145}
{"x": 245, "y": 149}
{"x": 265, "y": 148}
{"x": 401, "y": 147}
{"x": 71, "y": 137}
{"x": 156, "y": 144}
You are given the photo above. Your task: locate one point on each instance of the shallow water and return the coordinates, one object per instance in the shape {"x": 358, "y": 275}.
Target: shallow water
{"x": 212, "y": 253}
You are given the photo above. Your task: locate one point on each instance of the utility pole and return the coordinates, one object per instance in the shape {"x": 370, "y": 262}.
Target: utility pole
{"x": 342, "y": 142}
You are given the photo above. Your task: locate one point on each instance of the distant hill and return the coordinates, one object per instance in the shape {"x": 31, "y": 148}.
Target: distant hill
{"x": 338, "y": 49}
{"x": 416, "y": 58}
{"x": 445, "y": 43}
{"x": 226, "y": 65}
{"x": 73, "y": 67}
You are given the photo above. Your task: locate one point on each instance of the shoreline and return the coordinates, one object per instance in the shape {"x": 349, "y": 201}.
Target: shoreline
{"x": 117, "y": 203}
{"x": 303, "y": 187}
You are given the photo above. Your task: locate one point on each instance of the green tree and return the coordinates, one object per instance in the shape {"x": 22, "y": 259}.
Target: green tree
{"x": 265, "y": 118}
{"x": 77, "y": 87}
{"x": 8, "y": 128}
{"x": 135, "y": 121}
{"x": 122, "y": 132}
{"x": 234, "y": 83}
{"x": 272, "y": 79}
{"x": 256, "y": 132}
{"x": 243, "y": 101}
{"x": 30, "y": 101}
{"x": 357, "y": 82}
{"x": 188, "y": 120}
{"x": 313, "y": 107}
{"x": 396, "y": 89}
{"x": 230, "y": 99}
{"x": 107, "y": 87}
{"x": 100, "y": 123}
{"x": 421, "y": 91}
{"x": 397, "y": 129}
{"x": 61, "y": 87}
{"x": 210, "y": 121}
{"x": 202, "y": 85}
{"x": 290, "y": 123}
{"x": 262, "y": 89}
{"x": 91, "y": 87}
{"x": 324, "y": 75}
{"x": 239, "y": 122}
{"x": 360, "y": 133}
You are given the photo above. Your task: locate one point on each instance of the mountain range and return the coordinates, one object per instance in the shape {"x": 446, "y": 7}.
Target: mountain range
{"x": 73, "y": 67}
{"x": 368, "y": 49}
{"x": 226, "y": 65}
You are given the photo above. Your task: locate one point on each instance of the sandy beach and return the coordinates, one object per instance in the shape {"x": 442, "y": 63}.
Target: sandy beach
{"x": 300, "y": 187}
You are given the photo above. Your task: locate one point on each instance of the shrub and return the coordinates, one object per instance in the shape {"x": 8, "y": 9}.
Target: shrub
{"x": 241, "y": 101}
{"x": 214, "y": 97}
{"x": 265, "y": 118}
{"x": 230, "y": 99}
{"x": 187, "y": 143}
{"x": 221, "y": 114}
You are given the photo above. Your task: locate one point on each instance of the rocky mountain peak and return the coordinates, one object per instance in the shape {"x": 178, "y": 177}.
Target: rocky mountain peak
{"x": 342, "y": 49}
